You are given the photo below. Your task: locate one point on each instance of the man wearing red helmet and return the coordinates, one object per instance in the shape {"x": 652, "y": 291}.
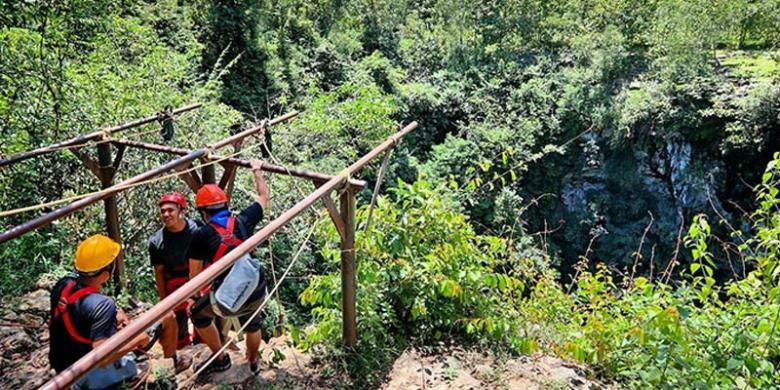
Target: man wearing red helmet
{"x": 222, "y": 232}
{"x": 168, "y": 251}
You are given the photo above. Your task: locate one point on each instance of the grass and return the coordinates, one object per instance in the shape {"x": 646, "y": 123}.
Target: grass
{"x": 756, "y": 64}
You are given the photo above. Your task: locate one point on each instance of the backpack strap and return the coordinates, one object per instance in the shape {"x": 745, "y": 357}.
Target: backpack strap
{"x": 66, "y": 299}
{"x": 228, "y": 237}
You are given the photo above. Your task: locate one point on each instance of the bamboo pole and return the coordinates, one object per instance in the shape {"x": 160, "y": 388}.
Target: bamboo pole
{"x": 107, "y": 171}
{"x": 348, "y": 277}
{"x": 268, "y": 167}
{"x": 110, "y": 191}
{"x": 82, "y": 139}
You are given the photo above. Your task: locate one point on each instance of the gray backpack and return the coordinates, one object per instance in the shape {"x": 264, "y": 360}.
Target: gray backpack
{"x": 236, "y": 288}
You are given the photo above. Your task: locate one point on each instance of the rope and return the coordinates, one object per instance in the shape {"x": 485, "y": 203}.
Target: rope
{"x": 270, "y": 247}
{"x": 347, "y": 176}
{"x": 280, "y": 316}
{"x": 260, "y": 308}
{"x": 142, "y": 378}
{"x": 378, "y": 184}
{"x": 277, "y": 162}
{"x": 7, "y": 213}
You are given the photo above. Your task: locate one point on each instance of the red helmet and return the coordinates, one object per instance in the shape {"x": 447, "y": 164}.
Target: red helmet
{"x": 174, "y": 197}
{"x": 210, "y": 195}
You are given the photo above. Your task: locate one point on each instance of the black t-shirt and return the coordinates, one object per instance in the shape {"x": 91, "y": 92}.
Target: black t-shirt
{"x": 171, "y": 250}
{"x": 206, "y": 240}
{"x": 93, "y": 317}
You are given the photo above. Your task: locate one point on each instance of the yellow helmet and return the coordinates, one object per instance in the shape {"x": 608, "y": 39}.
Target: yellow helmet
{"x": 95, "y": 253}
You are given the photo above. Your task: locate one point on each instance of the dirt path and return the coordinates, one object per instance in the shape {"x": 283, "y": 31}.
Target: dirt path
{"x": 282, "y": 367}
{"x": 24, "y": 339}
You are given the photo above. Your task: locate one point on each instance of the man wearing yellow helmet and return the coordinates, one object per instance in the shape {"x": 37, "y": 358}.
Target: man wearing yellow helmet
{"x": 82, "y": 318}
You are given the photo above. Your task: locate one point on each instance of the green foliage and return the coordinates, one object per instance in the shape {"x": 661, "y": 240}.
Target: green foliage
{"x": 753, "y": 65}
{"x": 754, "y": 116}
{"x": 518, "y": 102}
{"x": 230, "y": 31}
{"x": 683, "y": 38}
{"x": 423, "y": 273}
{"x": 26, "y": 259}
{"x": 70, "y": 73}
{"x": 641, "y": 111}
{"x": 764, "y": 246}
{"x": 655, "y": 334}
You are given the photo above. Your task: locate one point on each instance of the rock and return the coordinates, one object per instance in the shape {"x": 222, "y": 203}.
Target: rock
{"x": 7, "y": 331}
{"x": 414, "y": 370}
{"x": 15, "y": 340}
{"x": 10, "y": 317}
{"x": 46, "y": 282}
{"x": 36, "y": 302}
{"x": 563, "y": 375}
{"x": 28, "y": 377}
{"x": 32, "y": 320}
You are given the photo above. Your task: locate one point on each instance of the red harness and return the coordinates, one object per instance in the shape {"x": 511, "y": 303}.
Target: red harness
{"x": 171, "y": 284}
{"x": 66, "y": 298}
{"x": 228, "y": 240}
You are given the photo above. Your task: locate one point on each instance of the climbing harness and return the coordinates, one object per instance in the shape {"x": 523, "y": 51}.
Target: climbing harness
{"x": 61, "y": 311}
{"x": 229, "y": 239}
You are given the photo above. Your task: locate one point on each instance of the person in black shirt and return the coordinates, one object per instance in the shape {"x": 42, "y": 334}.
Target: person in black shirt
{"x": 82, "y": 318}
{"x": 222, "y": 232}
{"x": 168, "y": 250}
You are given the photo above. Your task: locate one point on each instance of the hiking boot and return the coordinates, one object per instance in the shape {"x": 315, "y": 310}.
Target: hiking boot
{"x": 218, "y": 365}
{"x": 183, "y": 362}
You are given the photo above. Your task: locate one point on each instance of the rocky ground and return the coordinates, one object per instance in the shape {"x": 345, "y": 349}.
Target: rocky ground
{"x": 24, "y": 337}
{"x": 461, "y": 369}
{"x": 24, "y": 363}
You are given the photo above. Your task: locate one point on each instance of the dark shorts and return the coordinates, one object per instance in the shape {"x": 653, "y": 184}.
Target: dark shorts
{"x": 203, "y": 313}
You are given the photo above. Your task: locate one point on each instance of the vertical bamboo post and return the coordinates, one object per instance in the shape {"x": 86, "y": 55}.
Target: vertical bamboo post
{"x": 107, "y": 170}
{"x": 348, "y": 277}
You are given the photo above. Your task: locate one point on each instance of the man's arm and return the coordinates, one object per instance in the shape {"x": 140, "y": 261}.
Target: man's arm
{"x": 138, "y": 342}
{"x": 157, "y": 265}
{"x": 263, "y": 194}
{"x": 104, "y": 316}
{"x": 195, "y": 267}
{"x": 159, "y": 279}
